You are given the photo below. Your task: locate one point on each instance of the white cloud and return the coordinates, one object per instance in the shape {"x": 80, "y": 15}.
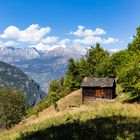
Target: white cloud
{"x": 89, "y": 36}
{"x": 40, "y": 46}
{"x": 43, "y": 46}
{"x": 11, "y": 32}
{"x": 7, "y": 43}
{"x": 131, "y": 38}
{"x": 10, "y": 43}
{"x": 64, "y": 41}
{"x": 92, "y": 40}
{"x": 36, "y": 36}
{"x": 82, "y": 32}
{"x": 50, "y": 39}
{"x": 32, "y": 34}
{"x": 109, "y": 40}
{"x": 114, "y": 50}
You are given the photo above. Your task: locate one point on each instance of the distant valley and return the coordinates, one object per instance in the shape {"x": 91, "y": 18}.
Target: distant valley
{"x": 43, "y": 70}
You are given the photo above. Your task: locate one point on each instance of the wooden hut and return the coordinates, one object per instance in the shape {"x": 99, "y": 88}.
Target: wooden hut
{"x": 98, "y": 88}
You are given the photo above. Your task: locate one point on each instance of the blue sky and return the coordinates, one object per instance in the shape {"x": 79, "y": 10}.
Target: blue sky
{"x": 118, "y": 18}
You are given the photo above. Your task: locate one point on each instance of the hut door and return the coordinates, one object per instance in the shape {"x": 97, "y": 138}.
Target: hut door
{"x": 98, "y": 93}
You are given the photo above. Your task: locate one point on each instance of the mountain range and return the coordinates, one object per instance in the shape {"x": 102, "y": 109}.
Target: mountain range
{"x": 42, "y": 66}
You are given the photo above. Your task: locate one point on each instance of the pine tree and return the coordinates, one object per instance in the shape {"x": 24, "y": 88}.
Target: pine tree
{"x": 94, "y": 56}
{"x": 12, "y": 107}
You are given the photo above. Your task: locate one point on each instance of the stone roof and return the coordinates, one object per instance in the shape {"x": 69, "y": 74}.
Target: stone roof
{"x": 97, "y": 82}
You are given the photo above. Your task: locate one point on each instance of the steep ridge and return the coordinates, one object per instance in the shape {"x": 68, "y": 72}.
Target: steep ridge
{"x": 11, "y": 76}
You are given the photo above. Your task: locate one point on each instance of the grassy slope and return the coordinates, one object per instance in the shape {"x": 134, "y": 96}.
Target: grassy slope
{"x": 101, "y": 120}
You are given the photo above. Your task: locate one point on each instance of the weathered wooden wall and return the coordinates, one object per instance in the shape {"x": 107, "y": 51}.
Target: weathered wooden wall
{"x": 90, "y": 94}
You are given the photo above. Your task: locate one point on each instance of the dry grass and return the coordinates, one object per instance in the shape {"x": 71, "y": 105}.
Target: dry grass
{"x": 73, "y": 99}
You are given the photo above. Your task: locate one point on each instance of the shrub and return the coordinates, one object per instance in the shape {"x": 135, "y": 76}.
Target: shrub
{"x": 12, "y": 107}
